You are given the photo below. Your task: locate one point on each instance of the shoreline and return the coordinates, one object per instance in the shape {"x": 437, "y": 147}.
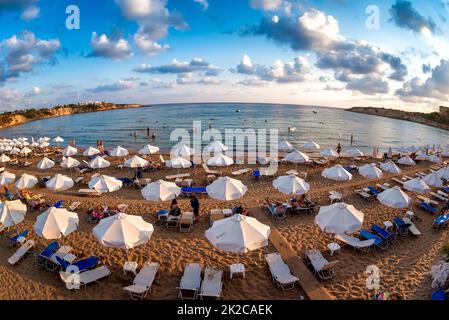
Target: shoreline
{"x": 416, "y": 117}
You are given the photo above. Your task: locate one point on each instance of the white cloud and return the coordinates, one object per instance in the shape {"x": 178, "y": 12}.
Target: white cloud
{"x": 268, "y": 5}
{"x": 103, "y": 46}
{"x": 203, "y": 3}
{"x": 148, "y": 46}
{"x": 9, "y": 99}
{"x": 30, "y": 13}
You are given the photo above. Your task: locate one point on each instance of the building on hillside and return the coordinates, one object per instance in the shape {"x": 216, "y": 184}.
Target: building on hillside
{"x": 444, "y": 111}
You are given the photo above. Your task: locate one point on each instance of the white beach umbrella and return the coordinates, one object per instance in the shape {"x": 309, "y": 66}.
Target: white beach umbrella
{"x": 70, "y": 163}
{"x": 226, "y": 189}
{"x": 4, "y": 158}
{"x": 291, "y": 185}
{"x": 45, "y": 163}
{"x": 311, "y": 146}
{"x": 215, "y": 147}
{"x": 339, "y": 218}
{"x": 422, "y": 156}
{"x": 26, "y": 151}
{"x": 9, "y": 149}
{"x": 337, "y": 173}
{"x": 103, "y": 183}
{"x": 416, "y": 185}
{"x": 433, "y": 179}
{"x": 14, "y": 151}
{"x": 238, "y": 234}
{"x": 119, "y": 152}
{"x": 180, "y": 163}
{"x": 284, "y": 145}
{"x": 26, "y": 181}
{"x": 99, "y": 163}
{"x": 59, "y": 183}
{"x": 12, "y": 213}
{"x": 34, "y": 144}
{"x": 413, "y": 149}
{"x": 123, "y": 231}
{"x": 370, "y": 171}
{"x": 161, "y": 191}
{"x": 7, "y": 178}
{"x": 443, "y": 173}
{"x": 220, "y": 160}
{"x": 91, "y": 151}
{"x": 182, "y": 151}
{"x": 354, "y": 153}
{"x": 406, "y": 161}
{"x": 69, "y": 151}
{"x": 329, "y": 153}
{"x": 58, "y": 139}
{"x": 435, "y": 159}
{"x": 395, "y": 198}
{"x": 390, "y": 167}
{"x": 148, "y": 149}
{"x": 56, "y": 223}
{"x": 297, "y": 157}
{"x": 43, "y": 144}
{"x": 135, "y": 162}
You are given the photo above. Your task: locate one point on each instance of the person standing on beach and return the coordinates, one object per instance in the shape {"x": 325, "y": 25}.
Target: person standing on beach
{"x": 195, "y": 206}
{"x": 148, "y": 132}
{"x": 338, "y": 149}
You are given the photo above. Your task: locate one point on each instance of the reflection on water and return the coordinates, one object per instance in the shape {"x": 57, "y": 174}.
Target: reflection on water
{"x": 328, "y": 126}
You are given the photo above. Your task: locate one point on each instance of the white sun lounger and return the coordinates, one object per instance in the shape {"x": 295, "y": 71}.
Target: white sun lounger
{"x": 412, "y": 229}
{"x": 241, "y": 171}
{"x": 280, "y": 272}
{"x": 75, "y": 281}
{"x": 53, "y": 263}
{"x": 190, "y": 281}
{"x": 212, "y": 285}
{"x": 21, "y": 252}
{"x": 143, "y": 281}
{"x": 323, "y": 268}
{"x": 356, "y": 243}
{"x": 89, "y": 192}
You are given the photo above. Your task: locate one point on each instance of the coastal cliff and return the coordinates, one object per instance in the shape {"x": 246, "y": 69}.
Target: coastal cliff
{"x": 433, "y": 119}
{"x": 14, "y": 118}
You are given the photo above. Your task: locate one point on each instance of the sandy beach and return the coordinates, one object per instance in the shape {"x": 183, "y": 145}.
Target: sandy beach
{"x": 403, "y": 266}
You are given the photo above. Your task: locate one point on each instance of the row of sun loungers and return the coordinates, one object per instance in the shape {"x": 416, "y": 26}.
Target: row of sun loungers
{"x": 209, "y": 287}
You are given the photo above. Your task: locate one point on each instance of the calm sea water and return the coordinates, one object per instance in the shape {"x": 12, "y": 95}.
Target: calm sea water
{"x": 327, "y": 126}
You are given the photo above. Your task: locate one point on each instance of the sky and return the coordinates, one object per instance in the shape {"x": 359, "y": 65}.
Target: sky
{"x": 336, "y": 53}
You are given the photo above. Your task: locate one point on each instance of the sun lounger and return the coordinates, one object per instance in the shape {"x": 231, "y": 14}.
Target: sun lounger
{"x": 413, "y": 229}
{"x": 186, "y": 222}
{"x": 427, "y": 200}
{"x": 373, "y": 191}
{"x": 209, "y": 171}
{"x": 178, "y": 176}
{"x": 190, "y": 281}
{"x": 401, "y": 226}
{"x": 88, "y": 193}
{"x": 280, "y": 271}
{"x": 365, "y": 195}
{"x": 428, "y": 207}
{"x": 241, "y": 171}
{"x": 188, "y": 191}
{"x": 80, "y": 265}
{"x": 52, "y": 264}
{"x": 322, "y": 267}
{"x": 21, "y": 252}
{"x": 335, "y": 196}
{"x": 18, "y": 238}
{"x": 268, "y": 172}
{"x": 356, "y": 243}
{"x": 384, "y": 234}
{"x": 320, "y": 162}
{"x": 439, "y": 197}
{"x": 274, "y": 212}
{"x": 143, "y": 281}
{"x": 441, "y": 221}
{"x": 216, "y": 214}
{"x": 45, "y": 255}
{"x": 398, "y": 181}
{"x": 74, "y": 205}
{"x": 76, "y": 280}
{"x": 378, "y": 242}
{"x": 212, "y": 285}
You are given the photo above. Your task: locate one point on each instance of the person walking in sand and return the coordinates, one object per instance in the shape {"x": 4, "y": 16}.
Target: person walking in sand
{"x": 195, "y": 206}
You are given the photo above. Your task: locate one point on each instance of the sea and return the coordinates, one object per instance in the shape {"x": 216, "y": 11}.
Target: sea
{"x": 297, "y": 124}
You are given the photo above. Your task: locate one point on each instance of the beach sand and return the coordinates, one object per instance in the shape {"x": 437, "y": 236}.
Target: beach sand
{"x": 403, "y": 266}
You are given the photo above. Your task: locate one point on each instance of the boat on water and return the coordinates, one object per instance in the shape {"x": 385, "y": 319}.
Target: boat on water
{"x": 314, "y": 111}
{"x": 292, "y": 129}
{"x": 238, "y": 110}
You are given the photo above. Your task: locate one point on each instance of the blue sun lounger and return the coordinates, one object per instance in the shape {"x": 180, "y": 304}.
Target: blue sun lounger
{"x": 127, "y": 182}
{"x": 441, "y": 221}
{"x": 44, "y": 255}
{"x": 193, "y": 190}
{"x": 13, "y": 240}
{"x": 428, "y": 208}
{"x": 378, "y": 242}
{"x": 59, "y": 204}
{"x": 382, "y": 233}
{"x": 439, "y": 295}
{"x": 373, "y": 191}
{"x": 401, "y": 226}
{"x": 80, "y": 265}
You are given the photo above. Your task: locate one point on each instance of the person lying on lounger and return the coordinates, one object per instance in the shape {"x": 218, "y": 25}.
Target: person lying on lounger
{"x": 175, "y": 211}
{"x": 276, "y": 207}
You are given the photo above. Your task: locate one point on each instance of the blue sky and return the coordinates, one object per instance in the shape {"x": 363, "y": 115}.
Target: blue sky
{"x": 284, "y": 51}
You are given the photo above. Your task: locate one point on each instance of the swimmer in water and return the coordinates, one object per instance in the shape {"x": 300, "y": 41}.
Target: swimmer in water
{"x": 135, "y": 134}
{"x": 153, "y": 135}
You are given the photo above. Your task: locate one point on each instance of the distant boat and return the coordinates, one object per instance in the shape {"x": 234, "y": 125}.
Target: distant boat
{"x": 238, "y": 110}
{"x": 293, "y": 129}
{"x": 315, "y": 111}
